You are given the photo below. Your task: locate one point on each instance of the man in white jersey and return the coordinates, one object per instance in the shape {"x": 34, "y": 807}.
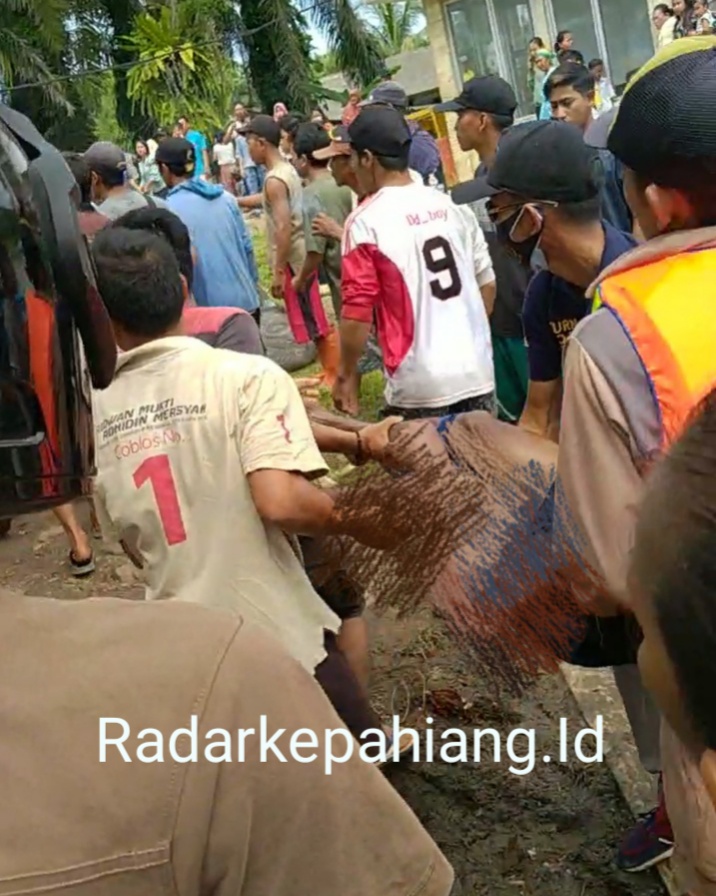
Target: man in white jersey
{"x": 419, "y": 266}
{"x": 204, "y": 458}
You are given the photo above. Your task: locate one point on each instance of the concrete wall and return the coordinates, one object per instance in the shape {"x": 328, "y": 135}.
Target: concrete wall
{"x": 447, "y": 82}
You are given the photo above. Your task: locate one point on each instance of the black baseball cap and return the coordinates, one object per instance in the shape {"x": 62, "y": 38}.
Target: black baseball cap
{"x": 666, "y": 113}
{"x": 265, "y": 127}
{"x": 178, "y": 153}
{"x": 380, "y": 129}
{"x": 487, "y": 93}
{"x": 540, "y": 160}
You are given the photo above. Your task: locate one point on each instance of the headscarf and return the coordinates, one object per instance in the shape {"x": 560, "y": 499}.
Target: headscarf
{"x": 279, "y": 110}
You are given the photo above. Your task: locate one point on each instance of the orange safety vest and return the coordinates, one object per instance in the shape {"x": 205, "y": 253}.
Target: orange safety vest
{"x": 667, "y": 308}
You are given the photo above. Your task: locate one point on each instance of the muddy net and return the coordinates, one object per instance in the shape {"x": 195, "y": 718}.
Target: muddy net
{"x": 482, "y": 538}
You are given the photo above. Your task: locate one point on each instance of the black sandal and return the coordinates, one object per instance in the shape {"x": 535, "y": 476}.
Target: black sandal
{"x": 80, "y": 568}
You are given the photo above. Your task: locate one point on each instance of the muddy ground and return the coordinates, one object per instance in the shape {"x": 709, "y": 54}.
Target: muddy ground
{"x": 549, "y": 833}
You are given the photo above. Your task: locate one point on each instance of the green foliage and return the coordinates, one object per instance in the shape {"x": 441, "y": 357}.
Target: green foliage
{"x": 179, "y": 69}
{"x": 172, "y": 57}
{"x": 277, "y": 52}
{"x": 32, "y": 37}
{"x": 325, "y": 65}
{"x": 99, "y": 95}
{"x": 397, "y": 26}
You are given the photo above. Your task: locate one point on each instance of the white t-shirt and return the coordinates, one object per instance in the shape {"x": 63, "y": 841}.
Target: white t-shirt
{"x": 415, "y": 262}
{"x": 224, "y": 154}
{"x": 177, "y": 433}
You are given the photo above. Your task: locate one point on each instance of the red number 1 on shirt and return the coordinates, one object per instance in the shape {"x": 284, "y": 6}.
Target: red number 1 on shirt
{"x": 158, "y": 471}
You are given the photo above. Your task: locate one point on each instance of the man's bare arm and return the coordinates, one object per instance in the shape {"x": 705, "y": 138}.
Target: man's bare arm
{"x": 250, "y": 202}
{"x": 277, "y": 196}
{"x": 539, "y": 413}
{"x": 489, "y": 293}
{"x": 327, "y": 227}
{"x": 290, "y": 501}
{"x": 310, "y": 268}
{"x": 354, "y": 335}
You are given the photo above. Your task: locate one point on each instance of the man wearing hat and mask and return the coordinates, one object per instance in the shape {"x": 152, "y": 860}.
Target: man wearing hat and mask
{"x": 543, "y": 192}
{"x": 485, "y": 109}
{"x": 424, "y": 153}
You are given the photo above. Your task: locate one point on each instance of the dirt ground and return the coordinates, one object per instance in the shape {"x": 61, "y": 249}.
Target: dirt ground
{"x": 549, "y": 833}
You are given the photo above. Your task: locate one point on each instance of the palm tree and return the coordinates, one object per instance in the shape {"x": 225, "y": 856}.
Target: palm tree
{"x": 40, "y": 39}
{"x": 278, "y": 47}
{"x": 396, "y": 25}
{"x": 31, "y": 38}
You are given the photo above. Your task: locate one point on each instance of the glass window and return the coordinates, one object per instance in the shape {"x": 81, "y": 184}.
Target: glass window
{"x": 627, "y": 34}
{"x": 472, "y": 38}
{"x": 514, "y": 22}
{"x": 576, "y": 16}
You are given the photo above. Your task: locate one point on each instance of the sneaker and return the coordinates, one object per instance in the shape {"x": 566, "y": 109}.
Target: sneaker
{"x": 649, "y": 842}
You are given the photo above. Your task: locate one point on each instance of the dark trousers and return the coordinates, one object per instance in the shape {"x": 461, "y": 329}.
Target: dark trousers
{"x": 600, "y": 642}
{"x": 341, "y": 687}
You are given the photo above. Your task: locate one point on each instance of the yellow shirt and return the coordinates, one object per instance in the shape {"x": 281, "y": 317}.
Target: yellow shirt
{"x": 177, "y": 433}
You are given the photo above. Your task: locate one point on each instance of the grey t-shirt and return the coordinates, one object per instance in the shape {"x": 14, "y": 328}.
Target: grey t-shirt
{"x": 126, "y": 201}
{"x": 324, "y": 195}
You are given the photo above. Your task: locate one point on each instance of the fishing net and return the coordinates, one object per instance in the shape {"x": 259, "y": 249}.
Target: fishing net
{"x": 487, "y": 541}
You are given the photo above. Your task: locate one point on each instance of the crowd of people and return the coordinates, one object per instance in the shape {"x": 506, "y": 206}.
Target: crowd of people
{"x": 554, "y": 312}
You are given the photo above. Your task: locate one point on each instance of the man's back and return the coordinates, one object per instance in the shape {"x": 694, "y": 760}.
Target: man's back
{"x": 242, "y": 825}
{"x": 177, "y": 434}
{"x": 127, "y": 200}
{"x": 323, "y": 195}
{"x": 416, "y": 256}
{"x": 424, "y": 153}
{"x": 225, "y": 272}
{"x": 229, "y": 328}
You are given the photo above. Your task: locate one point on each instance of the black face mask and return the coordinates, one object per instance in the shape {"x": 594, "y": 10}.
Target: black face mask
{"x": 523, "y": 251}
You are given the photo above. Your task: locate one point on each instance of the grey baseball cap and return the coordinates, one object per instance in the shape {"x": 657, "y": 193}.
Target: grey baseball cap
{"x": 105, "y": 158}
{"x": 389, "y": 92}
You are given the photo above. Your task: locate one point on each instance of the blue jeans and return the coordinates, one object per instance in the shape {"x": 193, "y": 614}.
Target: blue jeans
{"x": 254, "y": 179}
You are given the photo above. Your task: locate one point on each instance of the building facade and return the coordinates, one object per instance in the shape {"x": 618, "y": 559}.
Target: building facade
{"x": 477, "y": 37}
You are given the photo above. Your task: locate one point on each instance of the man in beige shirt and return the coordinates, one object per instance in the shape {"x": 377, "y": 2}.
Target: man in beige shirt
{"x": 73, "y": 824}
{"x": 205, "y": 458}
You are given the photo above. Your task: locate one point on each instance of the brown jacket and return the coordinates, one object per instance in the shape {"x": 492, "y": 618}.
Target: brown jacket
{"x": 609, "y": 438}
{"x": 73, "y": 825}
